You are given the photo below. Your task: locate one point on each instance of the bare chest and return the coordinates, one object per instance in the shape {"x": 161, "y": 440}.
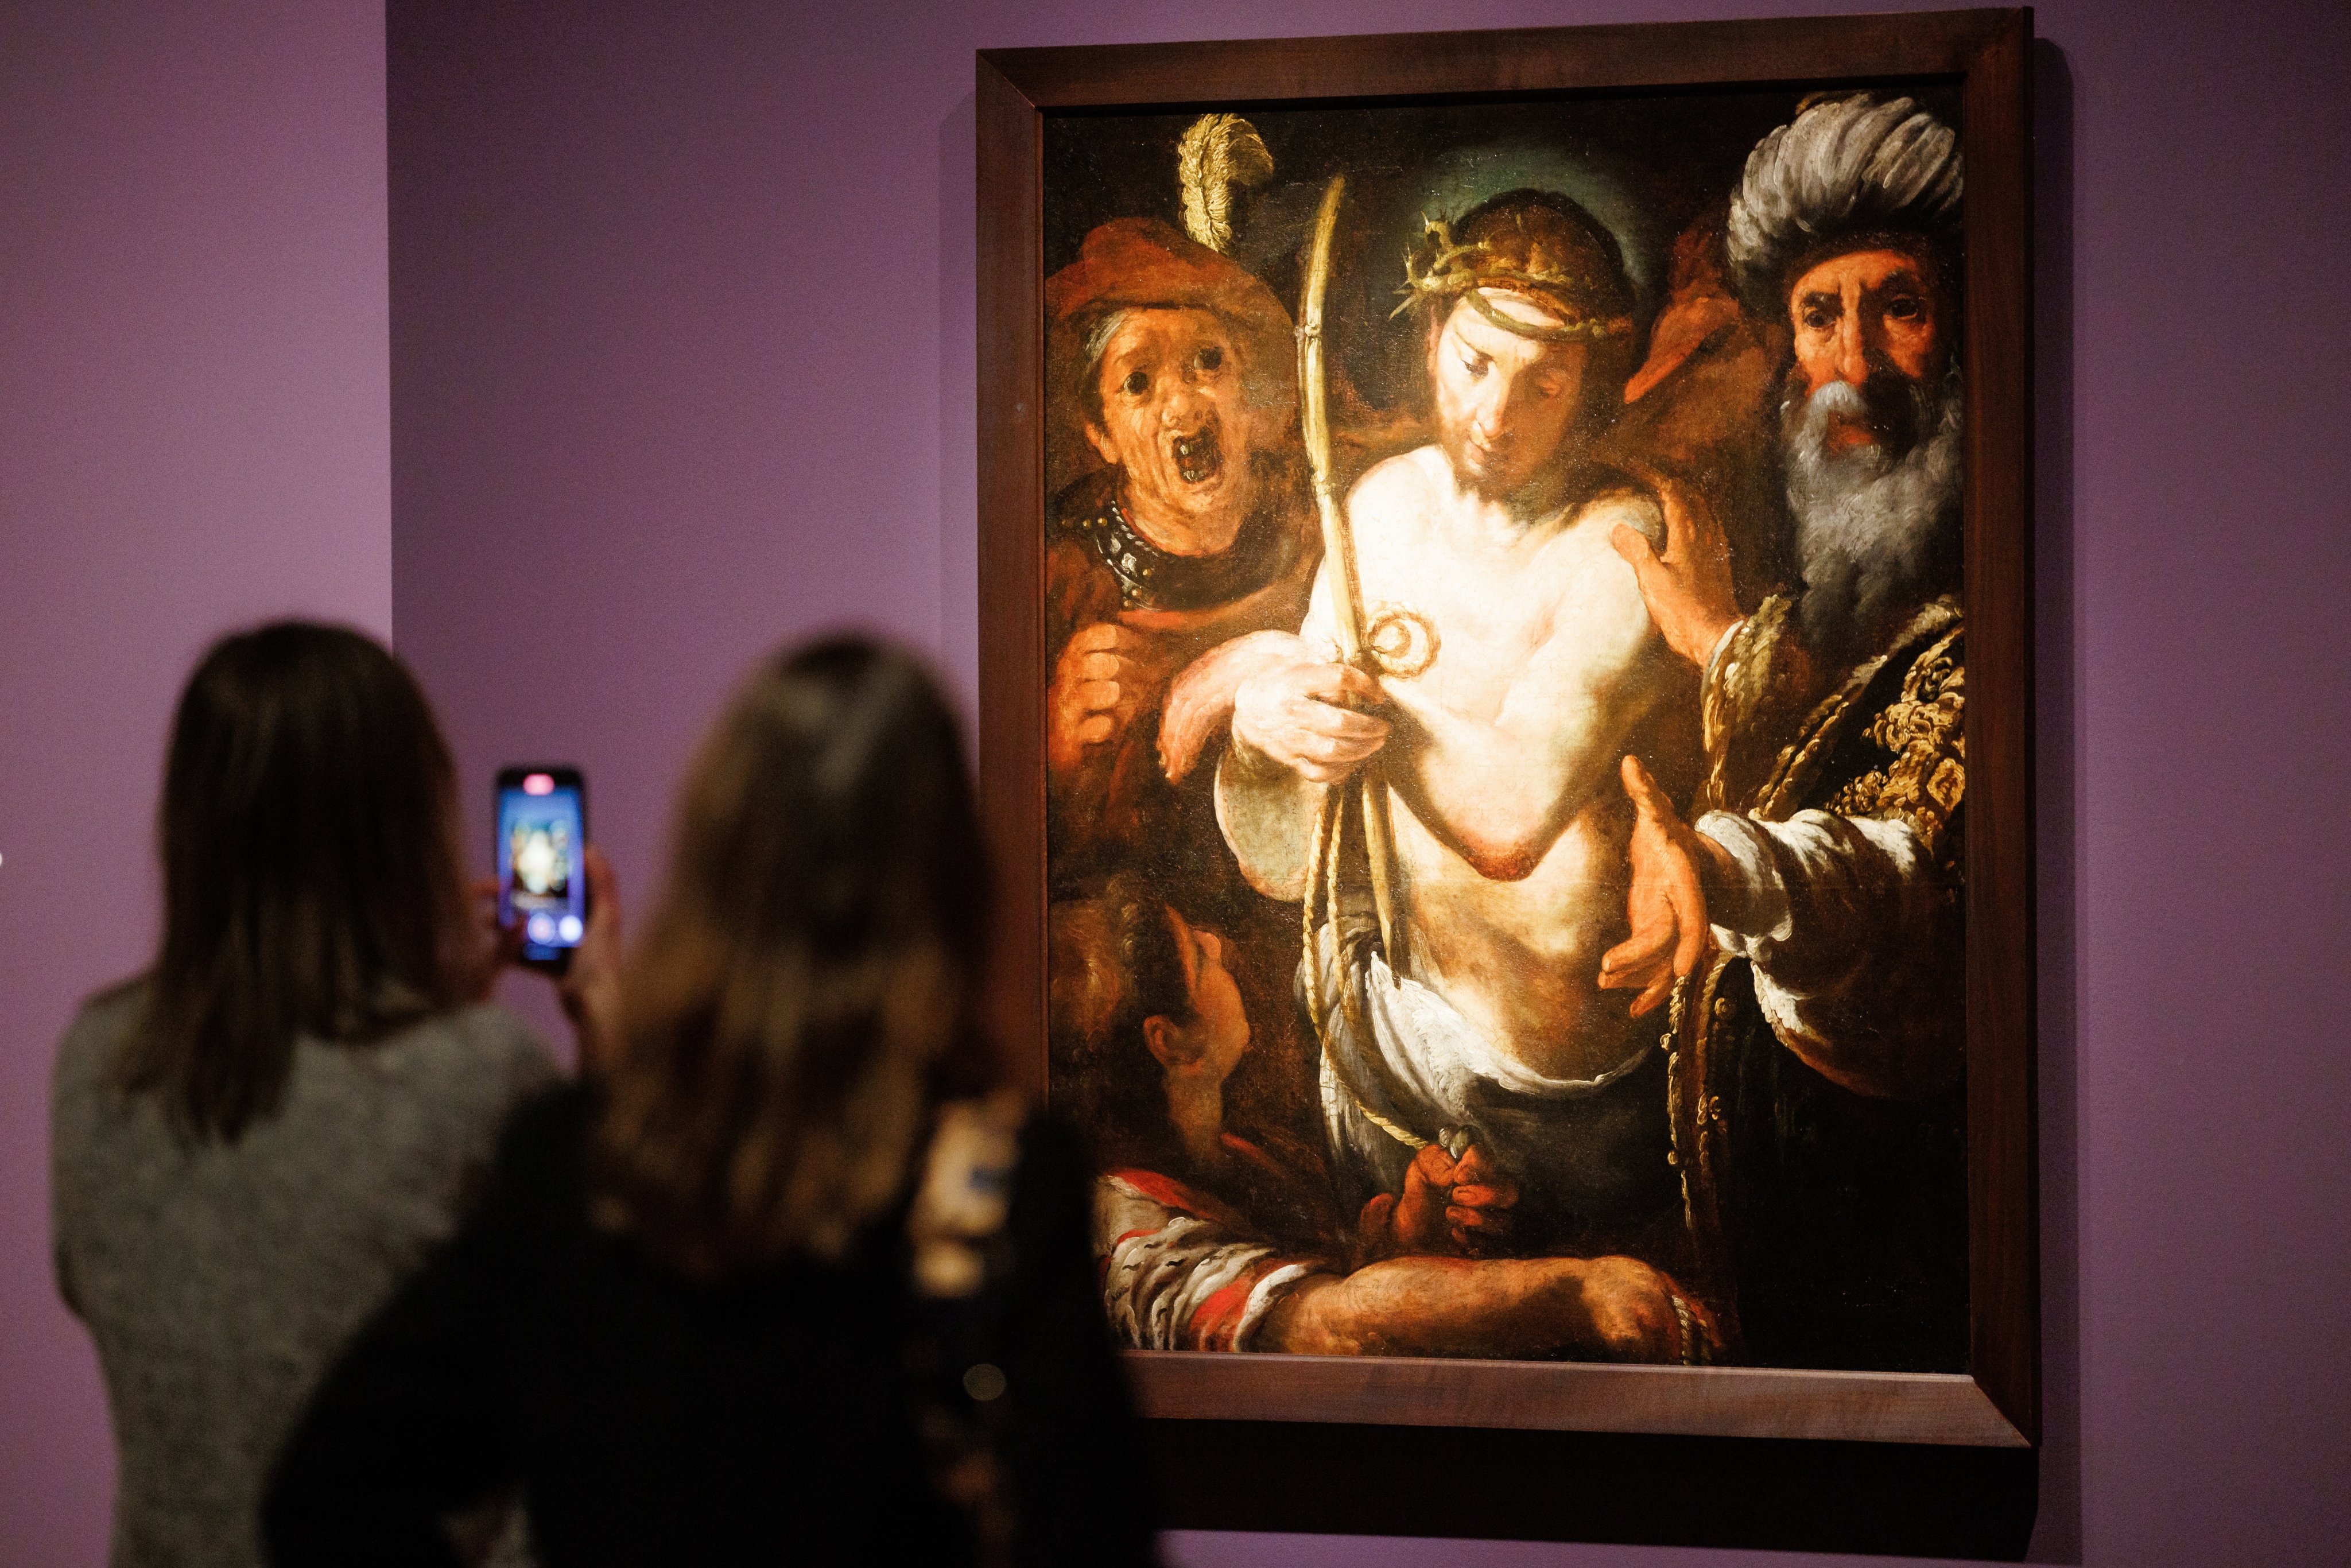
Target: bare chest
{"x": 1466, "y": 622}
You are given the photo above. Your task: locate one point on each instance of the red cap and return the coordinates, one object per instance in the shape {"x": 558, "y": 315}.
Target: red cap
{"x": 1141, "y": 264}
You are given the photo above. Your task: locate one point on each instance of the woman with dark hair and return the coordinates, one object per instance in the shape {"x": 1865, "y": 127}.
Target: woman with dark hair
{"x": 254, "y": 1141}
{"x": 791, "y": 1282}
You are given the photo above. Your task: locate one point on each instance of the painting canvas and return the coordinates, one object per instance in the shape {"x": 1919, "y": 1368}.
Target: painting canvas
{"x": 1501, "y": 674}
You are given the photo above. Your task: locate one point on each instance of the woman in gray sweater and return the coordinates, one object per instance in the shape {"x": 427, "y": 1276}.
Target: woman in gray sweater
{"x": 257, "y": 1140}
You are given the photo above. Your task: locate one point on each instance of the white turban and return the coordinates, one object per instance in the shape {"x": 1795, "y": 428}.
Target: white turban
{"x": 1848, "y": 168}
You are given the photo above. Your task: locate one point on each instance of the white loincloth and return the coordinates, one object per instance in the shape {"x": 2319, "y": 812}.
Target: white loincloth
{"x": 1396, "y": 1052}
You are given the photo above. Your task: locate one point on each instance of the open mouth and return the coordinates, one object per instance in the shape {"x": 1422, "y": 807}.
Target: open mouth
{"x": 1197, "y": 456}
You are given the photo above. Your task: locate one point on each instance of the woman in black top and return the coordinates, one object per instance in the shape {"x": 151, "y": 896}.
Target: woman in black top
{"x": 786, "y": 1282}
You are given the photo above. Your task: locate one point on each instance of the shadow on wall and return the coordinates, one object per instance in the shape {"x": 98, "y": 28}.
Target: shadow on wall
{"x": 2057, "y": 1538}
{"x": 958, "y": 427}
{"x": 1634, "y": 1489}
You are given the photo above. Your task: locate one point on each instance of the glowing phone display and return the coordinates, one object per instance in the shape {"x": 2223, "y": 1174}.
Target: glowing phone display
{"x": 542, "y": 834}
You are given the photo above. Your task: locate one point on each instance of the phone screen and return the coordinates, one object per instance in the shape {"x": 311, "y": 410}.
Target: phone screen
{"x": 542, "y": 880}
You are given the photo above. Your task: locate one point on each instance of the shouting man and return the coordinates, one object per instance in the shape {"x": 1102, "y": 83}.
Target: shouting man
{"x": 1812, "y": 921}
{"x": 1181, "y": 523}
{"x": 1174, "y": 384}
{"x": 1515, "y": 665}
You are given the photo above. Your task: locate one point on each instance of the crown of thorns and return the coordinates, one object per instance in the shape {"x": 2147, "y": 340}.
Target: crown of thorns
{"x": 1442, "y": 269}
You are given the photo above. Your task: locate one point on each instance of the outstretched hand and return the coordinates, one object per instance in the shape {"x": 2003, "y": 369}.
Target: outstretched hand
{"x": 1688, "y": 585}
{"x": 1667, "y": 906}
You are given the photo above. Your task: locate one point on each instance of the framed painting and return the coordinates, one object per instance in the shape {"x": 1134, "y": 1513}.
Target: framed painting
{"x": 1505, "y": 699}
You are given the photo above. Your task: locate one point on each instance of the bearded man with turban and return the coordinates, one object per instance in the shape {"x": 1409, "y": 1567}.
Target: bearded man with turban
{"x": 1809, "y": 926}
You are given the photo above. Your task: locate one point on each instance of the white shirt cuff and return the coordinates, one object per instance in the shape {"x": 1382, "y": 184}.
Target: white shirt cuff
{"x": 1262, "y": 1301}
{"x": 1756, "y": 910}
{"x": 1714, "y": 656}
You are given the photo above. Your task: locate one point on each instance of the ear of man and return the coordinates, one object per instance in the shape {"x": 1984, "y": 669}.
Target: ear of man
{"x": 1170, "y": 1043}
{"x": 1099, "y": 439}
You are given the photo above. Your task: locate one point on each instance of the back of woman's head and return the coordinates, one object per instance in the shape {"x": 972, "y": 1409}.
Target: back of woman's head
{"x": 812, "y": 959}
{"x": 310, "y": 873}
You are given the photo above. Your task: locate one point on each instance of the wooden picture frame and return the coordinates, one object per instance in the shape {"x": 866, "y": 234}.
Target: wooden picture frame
{"x": 1985, "y": 56}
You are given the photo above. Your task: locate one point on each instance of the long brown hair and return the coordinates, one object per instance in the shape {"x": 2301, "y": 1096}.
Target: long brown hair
{"x": 811, "y": 962}
{"x": 311, "y": 883}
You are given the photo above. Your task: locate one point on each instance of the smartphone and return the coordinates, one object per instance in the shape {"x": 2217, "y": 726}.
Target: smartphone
{"x": 542, "y": 839}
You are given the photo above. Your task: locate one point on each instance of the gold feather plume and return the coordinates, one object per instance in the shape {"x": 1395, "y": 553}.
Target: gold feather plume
{"x": 1219, "y": 152}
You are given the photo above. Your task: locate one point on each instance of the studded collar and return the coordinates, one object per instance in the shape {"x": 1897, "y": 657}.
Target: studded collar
{"x": 1150, "y": 578}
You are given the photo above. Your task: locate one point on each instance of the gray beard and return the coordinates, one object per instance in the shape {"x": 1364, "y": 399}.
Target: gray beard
{"x": 1874, "y": 533}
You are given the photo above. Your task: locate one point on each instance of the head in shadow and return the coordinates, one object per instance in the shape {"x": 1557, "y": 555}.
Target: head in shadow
{"x": 1147, "y": 1024}
{"x": 311, "y": 873}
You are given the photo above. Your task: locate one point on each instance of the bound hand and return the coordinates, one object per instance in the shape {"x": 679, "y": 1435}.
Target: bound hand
{"x": 1319, "y": 720}
{"x": 1477, "y": 1201}
{"x": 1687, "y": 586}
{"x": 1447, "y": 1205}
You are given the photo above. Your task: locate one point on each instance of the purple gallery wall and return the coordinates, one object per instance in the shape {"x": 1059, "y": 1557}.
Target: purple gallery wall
{"x": 682, "y": 367}
{"x": 683, "y": 329}
{"x": 195, "y": 418}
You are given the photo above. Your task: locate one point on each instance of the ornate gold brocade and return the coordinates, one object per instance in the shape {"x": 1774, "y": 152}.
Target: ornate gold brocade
{"x": 1926, "y": 775}
{"x": 1922, "y": 730}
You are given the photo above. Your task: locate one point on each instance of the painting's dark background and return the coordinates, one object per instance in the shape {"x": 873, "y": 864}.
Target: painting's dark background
{"x": 1645, "y": 164}
{"x": 679, "y": 355}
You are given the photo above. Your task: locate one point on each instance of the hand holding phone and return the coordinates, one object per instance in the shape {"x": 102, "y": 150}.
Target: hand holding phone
{"x": 542, "y": 841}
{"x": 590, "y": 992}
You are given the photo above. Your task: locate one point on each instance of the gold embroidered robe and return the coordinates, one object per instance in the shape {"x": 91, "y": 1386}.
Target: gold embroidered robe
{"x": 1816, "y": 1063}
